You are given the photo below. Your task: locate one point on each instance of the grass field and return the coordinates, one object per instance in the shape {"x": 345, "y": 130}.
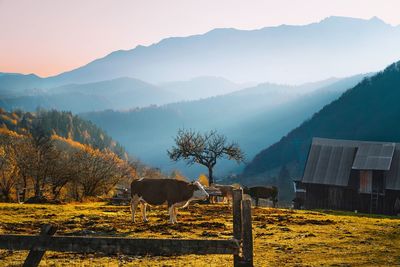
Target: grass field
{"x": 281, "y": 237}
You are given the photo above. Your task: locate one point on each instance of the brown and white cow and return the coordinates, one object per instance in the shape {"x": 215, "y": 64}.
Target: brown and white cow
{"x": 174, "y": 193}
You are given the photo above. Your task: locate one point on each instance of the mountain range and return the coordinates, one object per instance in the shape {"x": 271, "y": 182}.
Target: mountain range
{"x": 284, "y": 54}
{"x": 117, "y": 94}
{"x": 254, "y": 117}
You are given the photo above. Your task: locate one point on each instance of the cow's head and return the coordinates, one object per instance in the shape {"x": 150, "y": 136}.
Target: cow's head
{"x": 199, "y": 191}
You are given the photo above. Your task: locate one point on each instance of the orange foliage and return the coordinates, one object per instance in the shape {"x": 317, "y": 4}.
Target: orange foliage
{"x": 203, "y": 179}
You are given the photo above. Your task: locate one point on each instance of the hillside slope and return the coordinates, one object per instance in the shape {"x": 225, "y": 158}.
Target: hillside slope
{"x": 118, "y": 94}
{"x": 282, "y": 237}
{"x": 369, "y": 111}
{"x": 254, "y": 117}
{"x": 63, "y": 124}
{"x": 121, "y": 93}
{"x": 200, "y": 87}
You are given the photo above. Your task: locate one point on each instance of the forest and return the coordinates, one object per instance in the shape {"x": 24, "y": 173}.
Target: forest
{"x": 53, "y": 156}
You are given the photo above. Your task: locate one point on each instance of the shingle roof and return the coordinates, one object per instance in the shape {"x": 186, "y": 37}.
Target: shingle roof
{"x": 330, "y": 161}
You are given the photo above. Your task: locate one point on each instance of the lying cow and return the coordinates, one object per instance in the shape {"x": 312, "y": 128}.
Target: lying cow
{"x": 172, "y": 192}
{"x": 257, "y": 192}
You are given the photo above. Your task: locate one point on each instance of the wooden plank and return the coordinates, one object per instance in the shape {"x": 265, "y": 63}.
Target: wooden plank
{"x": 237, "y": 219}
{"x": 36, "y": 254}
{"x": 114, "y": 245}
{"x": 247, "y": 233}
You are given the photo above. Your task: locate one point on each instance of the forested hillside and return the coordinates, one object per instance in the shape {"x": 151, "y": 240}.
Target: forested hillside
{"x": 369, "y": 111}
{"x": 117, "y": 94}
{"x": 60, "y": 123}
{"x": 52, "y": 156}
{"x": 121, "y": 93}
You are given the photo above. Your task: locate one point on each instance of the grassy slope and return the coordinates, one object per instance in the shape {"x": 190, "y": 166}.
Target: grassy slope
{"x": 282, "y": 237}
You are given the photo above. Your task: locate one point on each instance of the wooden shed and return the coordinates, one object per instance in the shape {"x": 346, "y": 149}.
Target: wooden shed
{"x": 351, "y": 175}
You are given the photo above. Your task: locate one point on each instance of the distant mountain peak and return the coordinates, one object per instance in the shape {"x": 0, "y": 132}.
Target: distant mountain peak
{"x": 377, "y": 20}
{"x": 346, "y": 20}
{"x": 342, "y": 19}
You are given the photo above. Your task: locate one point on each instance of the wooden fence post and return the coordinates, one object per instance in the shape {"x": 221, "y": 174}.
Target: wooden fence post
{"x": 247, "y": 233}
{"x": 237, "y": 220}
{"x": 35, "y": 256}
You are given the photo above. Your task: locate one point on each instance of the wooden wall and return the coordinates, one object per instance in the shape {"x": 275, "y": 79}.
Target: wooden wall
{"x": 345, "y": 198}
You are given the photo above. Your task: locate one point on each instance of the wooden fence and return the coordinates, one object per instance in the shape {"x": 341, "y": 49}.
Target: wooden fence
{"x": 240, "y": 246}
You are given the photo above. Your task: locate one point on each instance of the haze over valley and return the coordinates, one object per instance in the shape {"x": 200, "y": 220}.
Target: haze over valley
{"x": 253, "y": 86}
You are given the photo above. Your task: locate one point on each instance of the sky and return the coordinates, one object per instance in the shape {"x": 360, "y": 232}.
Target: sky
{"x": 47, "y": 37}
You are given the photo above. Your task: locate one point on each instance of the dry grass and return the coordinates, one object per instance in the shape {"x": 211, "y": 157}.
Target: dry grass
{"x": 281, "y": 237}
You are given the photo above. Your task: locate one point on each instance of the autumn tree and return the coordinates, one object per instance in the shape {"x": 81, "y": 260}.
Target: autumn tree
{"x": 177, "y": 175}
{"x": 97, "y": 172}
{"x": 61, "y": 173}
{"x": 203, "y": 179}
{"x": 25, "y": 162}
{"x": 9, "y": 170}
{"x": 152, "y": 173}
{"x": 44, "y": 157}
{"x": 204, "y": 149}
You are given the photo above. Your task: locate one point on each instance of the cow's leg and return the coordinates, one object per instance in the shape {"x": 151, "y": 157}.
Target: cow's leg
{"x": 134, "y": 204}
{"x": 257, "y": 202}
{"x": 171, "y": 213}
{"x": 175, "y": 211}
{"x": 144, "y": 206}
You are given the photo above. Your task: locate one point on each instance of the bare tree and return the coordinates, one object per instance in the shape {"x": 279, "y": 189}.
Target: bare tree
{"x": 204, "y": 149}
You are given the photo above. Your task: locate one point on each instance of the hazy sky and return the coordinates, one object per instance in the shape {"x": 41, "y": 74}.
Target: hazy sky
{"x": 47, "y": 37}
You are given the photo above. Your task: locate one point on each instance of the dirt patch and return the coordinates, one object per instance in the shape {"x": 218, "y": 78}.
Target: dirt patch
{"x": 212, "y": 225}
{"x": 315, "y": 222}
{"x": 41, "y": 200}
{"x": 209, "y": 234}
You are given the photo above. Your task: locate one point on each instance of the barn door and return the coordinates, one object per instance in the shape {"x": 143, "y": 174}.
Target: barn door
{"x": 378, "y": 181}
{"x": 365, "y": 182}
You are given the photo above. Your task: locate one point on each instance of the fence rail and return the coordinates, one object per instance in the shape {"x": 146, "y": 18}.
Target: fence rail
{"x": 114, "y": 245}
{"x": 240, "y": 246}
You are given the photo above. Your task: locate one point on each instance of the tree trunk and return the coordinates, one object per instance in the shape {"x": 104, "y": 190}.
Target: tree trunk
{"x": 210, "y": 176}
{"x": 38, "y": 191}
{"x": 25, "y": 184}
{"x": 6, "y": 194}
{"x": 55, "y": 192}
